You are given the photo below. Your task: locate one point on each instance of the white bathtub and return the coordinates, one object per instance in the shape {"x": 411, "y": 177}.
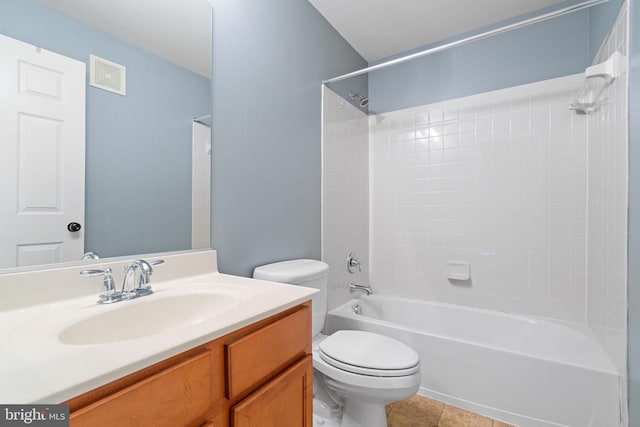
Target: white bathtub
{"x": 522, "y": 370}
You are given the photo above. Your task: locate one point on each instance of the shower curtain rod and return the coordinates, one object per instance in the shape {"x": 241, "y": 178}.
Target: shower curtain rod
{"x": 201, "y": 118}
{"x": 506, "y": 28}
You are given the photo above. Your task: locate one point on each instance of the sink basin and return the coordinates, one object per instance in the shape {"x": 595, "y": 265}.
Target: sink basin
{"x": 143, "y": 318}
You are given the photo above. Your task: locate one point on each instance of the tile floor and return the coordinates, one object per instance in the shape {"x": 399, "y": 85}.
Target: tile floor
{"x": 420, "y": 411}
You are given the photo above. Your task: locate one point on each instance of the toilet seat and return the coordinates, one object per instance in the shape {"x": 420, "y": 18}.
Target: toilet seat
{"x": 366, "y": 353}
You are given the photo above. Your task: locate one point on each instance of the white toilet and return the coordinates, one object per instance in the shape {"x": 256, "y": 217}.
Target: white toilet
{"x": 361, "y": 371}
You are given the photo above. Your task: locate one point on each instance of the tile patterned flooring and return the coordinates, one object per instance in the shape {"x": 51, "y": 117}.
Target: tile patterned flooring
{"x": 420, "y": 411}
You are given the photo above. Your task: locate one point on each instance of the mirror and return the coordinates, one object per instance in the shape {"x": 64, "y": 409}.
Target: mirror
{"x": 139, "y": 166}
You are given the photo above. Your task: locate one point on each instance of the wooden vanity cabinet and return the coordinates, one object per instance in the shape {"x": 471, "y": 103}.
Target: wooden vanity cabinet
{"x": 285, "y": 401}
{"x": 260, "y": 375}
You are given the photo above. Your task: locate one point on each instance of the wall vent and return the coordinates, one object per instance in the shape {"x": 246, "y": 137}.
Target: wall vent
{"x": 108, "y": 75}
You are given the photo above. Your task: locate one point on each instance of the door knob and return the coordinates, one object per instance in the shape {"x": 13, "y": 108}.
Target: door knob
{"x": 73, "y": 227}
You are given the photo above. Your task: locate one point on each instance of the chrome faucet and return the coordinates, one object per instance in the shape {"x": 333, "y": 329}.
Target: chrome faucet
{"x": 90, "y": 255}
{"x": 125, "y": 293}
{"x": 145, "y": 270}
{"x": 354, "y": 287}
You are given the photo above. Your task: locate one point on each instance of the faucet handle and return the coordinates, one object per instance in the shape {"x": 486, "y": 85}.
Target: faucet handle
{"x": 109, "y": 283}
{"x": 353, "y": 262}
{"x": 145, "y": 268}
{"x": 96, "y": 272}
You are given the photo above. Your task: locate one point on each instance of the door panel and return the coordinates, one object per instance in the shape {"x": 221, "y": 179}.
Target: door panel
{"x": 42, "y": 154}
{"x": 286, "y": 401}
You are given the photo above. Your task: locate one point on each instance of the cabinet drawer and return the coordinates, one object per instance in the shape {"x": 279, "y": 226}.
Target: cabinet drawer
{"x": 260, "y": 355}
{"x": 172, "y": 397}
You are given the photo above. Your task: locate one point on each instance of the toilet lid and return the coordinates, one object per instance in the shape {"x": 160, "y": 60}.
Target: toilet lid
{"x": 369, "y": 354}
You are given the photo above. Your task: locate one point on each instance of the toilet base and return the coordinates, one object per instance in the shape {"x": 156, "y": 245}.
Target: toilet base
{"x": 325, "y": 415}
{"x": 319, "y": 421}
{"x": 360, "y": 413}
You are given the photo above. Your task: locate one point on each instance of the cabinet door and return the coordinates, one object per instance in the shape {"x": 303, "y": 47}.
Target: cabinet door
{"x": 286, "y": 401}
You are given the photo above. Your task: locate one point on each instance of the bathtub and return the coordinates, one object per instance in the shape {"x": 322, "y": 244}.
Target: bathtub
{"x": 526, "y": 371}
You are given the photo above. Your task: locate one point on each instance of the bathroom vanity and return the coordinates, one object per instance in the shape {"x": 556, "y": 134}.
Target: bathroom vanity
{"x": 259, "y": 375}
{"x": 204, "y": 349}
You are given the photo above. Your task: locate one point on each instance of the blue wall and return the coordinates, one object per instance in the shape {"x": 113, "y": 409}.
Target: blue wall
{"x": 138, "y": 164}
{"x": 269, "y": 58}
{"x": 601, "y": 19}
{"x": 267, "y": 65}
{"x": 634, "y": 214}
{"x": 555, "y": 48}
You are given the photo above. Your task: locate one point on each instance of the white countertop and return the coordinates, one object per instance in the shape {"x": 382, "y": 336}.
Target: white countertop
{"x": 35, "y": 367}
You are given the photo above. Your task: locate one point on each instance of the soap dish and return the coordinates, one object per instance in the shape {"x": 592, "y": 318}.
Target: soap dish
{"x": 459, "y": 270}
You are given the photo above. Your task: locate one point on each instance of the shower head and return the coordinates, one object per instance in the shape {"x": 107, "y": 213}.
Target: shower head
{"x": 363, "y": 101}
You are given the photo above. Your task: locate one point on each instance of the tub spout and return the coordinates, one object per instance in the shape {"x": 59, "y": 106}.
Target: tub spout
{"x": 353, "y": 287}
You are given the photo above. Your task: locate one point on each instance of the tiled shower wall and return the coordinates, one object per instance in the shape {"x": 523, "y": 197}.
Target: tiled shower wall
{"x": 607, "y": 207}
{"x": 532, "y": 195}
{"x": 498, "y": 180}
{"x": 345, "y": 193}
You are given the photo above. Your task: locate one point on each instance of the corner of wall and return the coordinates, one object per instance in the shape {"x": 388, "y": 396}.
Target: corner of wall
{"x": 601, "y": 19}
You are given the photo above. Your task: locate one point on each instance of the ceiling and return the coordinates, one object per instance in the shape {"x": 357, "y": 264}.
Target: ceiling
{"x": 380, "y": 28}
{"x": 180, "y": 30}
{"x": 176, "y": 30}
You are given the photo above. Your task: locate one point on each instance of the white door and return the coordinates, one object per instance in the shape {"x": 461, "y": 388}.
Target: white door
{"x": 42, "y": 140}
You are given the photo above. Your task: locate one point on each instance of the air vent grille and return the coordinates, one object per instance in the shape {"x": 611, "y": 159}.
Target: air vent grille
{"x": 108, "y": 75}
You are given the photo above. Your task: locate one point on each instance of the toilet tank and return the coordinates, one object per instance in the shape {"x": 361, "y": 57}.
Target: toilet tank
{"x": 303, "y": 272}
